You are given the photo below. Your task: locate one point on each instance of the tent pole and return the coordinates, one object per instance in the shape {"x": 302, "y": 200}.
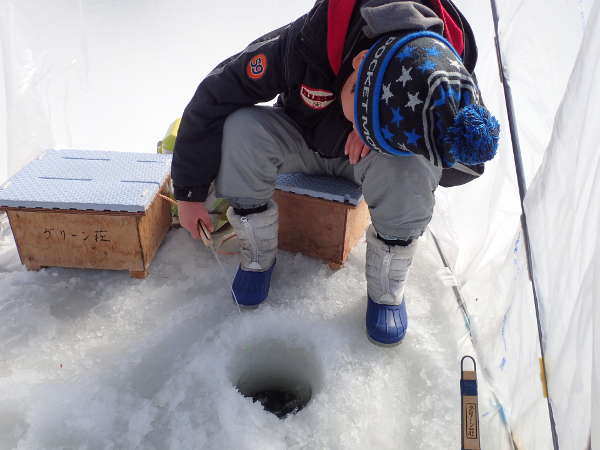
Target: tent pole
{"x": 522, "y": 192}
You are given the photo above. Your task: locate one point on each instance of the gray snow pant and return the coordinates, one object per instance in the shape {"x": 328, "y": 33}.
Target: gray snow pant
{"x": 260, "y": 142}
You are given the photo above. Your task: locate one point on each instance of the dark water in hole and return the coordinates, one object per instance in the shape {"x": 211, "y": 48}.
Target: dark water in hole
{"x": 278, "y": 402}
{"x": 278, "y": 375}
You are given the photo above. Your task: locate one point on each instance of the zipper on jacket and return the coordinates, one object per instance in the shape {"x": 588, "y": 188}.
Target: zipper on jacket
{"x": 385, "y": 272}
{"x": 312, "y": 63}
{"x": 253, "y": 247}
{"x": 356, "y": 39}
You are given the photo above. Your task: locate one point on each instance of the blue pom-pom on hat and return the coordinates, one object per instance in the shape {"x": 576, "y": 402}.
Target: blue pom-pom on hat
{"x": 414, "y": 95}
{"x": 473, "y": 137}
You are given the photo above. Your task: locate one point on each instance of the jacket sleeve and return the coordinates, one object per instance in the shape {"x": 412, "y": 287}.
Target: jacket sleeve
{"x": 252, "y": 76}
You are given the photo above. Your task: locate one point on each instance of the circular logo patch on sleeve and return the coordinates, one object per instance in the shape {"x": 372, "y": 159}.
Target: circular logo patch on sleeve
{"x": 257, "y": 66}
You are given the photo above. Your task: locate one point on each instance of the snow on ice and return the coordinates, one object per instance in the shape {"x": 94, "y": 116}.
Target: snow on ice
{"x": 97, "y": 360}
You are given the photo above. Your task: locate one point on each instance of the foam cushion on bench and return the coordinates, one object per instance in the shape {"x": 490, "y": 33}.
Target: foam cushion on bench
{"x": 326, "y": 187}
{"x": 88, "y": 180}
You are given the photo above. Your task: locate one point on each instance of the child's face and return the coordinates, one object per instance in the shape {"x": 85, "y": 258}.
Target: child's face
{"x": 347, "y": 94}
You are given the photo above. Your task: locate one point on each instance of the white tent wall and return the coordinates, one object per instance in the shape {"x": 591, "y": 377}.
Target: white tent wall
{"x": 106, "y": 75}
{"x": 3, "y": 121}
{"x": 37, "y": 59}
{"x": 564, "y": 217}
{"x": 539, "y": 43}
{"x": 596, "y": 371}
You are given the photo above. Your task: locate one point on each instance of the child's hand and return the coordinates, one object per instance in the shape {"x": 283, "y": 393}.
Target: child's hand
{"x": 355, "y": 147}
{"x": 189, "y": 215}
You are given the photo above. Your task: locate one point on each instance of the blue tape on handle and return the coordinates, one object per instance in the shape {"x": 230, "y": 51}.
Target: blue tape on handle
{"x": 468, "y": 387}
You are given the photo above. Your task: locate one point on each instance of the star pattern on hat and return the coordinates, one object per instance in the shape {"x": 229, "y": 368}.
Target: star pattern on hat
{"x": 387, "y": 93}
{"x": 412, "y": 137}
{"x": 404, "y": 123}
{"x": 406, "y": 52}
{"x": 467, "y": 98}
{"x": 427, "y": 66}
{"x": 433, "y": 51}
{"x": 439, "y": 122}
{"x": 397, "y": 117}
{"x": 453, "y": 94}
{"x": 387, "y": 134}
{"x": 454, "y": 63}
{"x": 405, "y": 77}
{"x": 442, "y": 100}
{"x": 413, "y": 100}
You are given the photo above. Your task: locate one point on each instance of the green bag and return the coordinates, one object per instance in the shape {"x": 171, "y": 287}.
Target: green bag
{"x": 217, "y": 207}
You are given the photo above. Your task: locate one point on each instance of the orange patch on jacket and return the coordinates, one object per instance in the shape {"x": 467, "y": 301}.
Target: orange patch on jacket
{"x": 257, "y": 66}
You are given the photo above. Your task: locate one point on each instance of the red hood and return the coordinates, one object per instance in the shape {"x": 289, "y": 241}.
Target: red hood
{"x": 452, "y": 30}
{"x": 339, "y": 14}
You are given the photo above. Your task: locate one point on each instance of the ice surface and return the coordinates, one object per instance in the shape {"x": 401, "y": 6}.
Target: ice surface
{"x": 95, "y": 360}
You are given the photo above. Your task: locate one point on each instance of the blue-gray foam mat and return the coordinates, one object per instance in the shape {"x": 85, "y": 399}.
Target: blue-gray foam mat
{"x": 87, "y": 180}
{"x": 330, "y": 188}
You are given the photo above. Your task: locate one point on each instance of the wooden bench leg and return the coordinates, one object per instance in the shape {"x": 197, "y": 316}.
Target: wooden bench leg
{"x": 335, "y": 265}
{"x": 139, "y": 274}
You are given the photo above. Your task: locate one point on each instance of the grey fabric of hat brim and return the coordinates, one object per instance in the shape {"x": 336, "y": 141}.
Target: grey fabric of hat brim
{"x": 382, "y": 17}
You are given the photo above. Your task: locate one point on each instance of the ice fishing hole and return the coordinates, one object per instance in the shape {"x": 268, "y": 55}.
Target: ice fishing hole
{"x": 282, "y": 376}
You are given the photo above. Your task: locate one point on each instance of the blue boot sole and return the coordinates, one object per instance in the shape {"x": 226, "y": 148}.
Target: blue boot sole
{"x": 250, "y": 289}
{"x": 386, "y": 324}
{"x": 381, "y": 344}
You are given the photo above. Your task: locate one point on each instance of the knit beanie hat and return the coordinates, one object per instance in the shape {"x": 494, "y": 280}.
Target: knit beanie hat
{"x": 413, "y": 95}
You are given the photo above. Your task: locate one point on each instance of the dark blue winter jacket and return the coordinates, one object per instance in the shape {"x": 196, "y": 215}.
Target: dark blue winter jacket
{"x": 305, "y": 63}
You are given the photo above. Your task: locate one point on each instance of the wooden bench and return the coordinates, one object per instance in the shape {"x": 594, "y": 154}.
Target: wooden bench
{"x": 322, "y": 217}
{"x": 89, "y": 209}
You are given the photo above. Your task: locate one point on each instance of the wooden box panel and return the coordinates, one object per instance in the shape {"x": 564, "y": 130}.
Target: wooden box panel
{"x": 153, "y": 227}
{"x": 90, "y": 240}
{"x": 358, "y": 219}
{"x": 319, "y": 228}
{"x": 94, "y": 241}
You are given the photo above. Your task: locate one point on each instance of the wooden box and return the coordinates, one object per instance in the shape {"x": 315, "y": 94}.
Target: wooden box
{"x": 320, "y": 228}
{"x": 106, "y": 211}
{"x": 90, "y": 240}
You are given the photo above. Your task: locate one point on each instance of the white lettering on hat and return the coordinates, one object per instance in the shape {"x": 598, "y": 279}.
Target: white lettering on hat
{"x": 366, "y": 89}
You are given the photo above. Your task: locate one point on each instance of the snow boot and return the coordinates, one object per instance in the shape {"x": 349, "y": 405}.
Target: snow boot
{"x": 257, "y": 234}
{"x": 387, "y": 270}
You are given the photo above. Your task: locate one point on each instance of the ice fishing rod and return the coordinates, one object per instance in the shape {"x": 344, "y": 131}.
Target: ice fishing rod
{"x": 514, "y": 135}
{"x": 209, "y": 243}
